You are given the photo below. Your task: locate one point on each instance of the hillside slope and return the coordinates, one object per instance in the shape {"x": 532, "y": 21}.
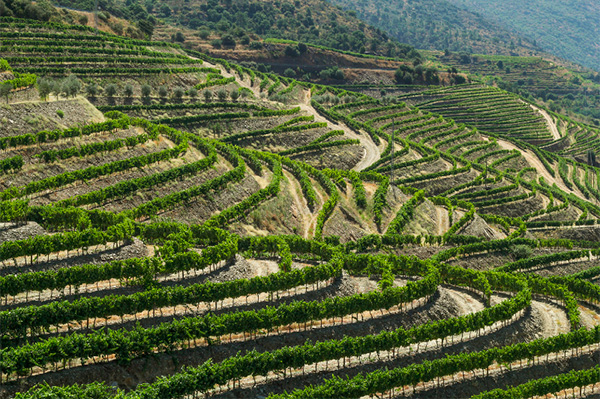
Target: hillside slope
{"x": 567, "y": 29}
{"x": 230, "y": 233}
{"x": 559, "y": 84}
{"x": 240, "y": 22}
{"x": 439, "y": 25}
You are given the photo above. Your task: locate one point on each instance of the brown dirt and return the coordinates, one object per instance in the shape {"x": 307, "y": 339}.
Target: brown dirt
{"x": 95, "y": 255}
{"x": 38, "y": 171}
{"x": 12, "y": 232}
{"x": 344, "y": 224}
{"x": 437, "y": 186}
{"x": 581, "y": 233}
{"x": 516, "y": 208}
{"x": 21, "y": 118}
{"x": 426, "y": 220}
{"x": 479, "y": 228}
{"x": 200, "y": 209}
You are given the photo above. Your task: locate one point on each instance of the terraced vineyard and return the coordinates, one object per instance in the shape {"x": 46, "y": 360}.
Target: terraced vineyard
{"x": 294, "y": 241}
{"x": 490, "y": 110}
{"x": 570, "y": 86}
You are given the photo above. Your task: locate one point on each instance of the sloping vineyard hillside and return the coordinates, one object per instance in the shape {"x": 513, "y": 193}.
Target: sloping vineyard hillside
{"x": 222, "y": 232}
{"x": 559, "y": 84}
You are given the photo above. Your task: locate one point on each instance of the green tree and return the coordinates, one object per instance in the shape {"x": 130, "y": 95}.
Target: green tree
{"x": 57, "y": 88}
{"x": 165, "y": 10}
{"x": 110, "y": 90}
{"x": 163, "y": 92}
{"x": 228, "y": 40}
{"x": 178, "y": 93}
{"x": 203, "y": 34}
{"x": 178, "y": 37}
{"x": 5, "y": 89}
{"x": 91, "y": 90}
{"x": 292, "y": 51}
{"x": 44, "y": 87}
{"x": 591, "y": 156}
{"x": 222, "y": 95}
{"x": 71, "y": 86}
{"x": 146, "y": 91}
{"x": 207, "y": 95}
{"x": 147, "y": 27}
{"x": 128, "y": 91}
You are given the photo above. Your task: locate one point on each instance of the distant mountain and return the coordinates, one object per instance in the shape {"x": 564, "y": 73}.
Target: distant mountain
{"x": 568, "y": 29}
{"x": 439, "y": 25}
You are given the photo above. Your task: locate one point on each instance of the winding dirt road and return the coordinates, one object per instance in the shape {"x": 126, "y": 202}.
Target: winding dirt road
{"x": 549, "y": 121}
{"x": 535, "y": 162}
{"x": 371, "y": 154}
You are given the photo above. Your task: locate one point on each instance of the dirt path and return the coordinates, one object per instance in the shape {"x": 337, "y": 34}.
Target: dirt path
{"x": 306, "y": 218}
{"x": 226, "y": 74}
{"x": 551, "y": 125}
{"x": 371, "y": 154}
{"x": 443, "y": 224}
{"x": 535, "y": 162}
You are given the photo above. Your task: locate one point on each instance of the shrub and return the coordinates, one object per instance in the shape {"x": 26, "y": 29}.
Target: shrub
{"x": 110, "y": 90}
{"x": 228, "y": 40}
{"x": 178, "y": 93}
{"x": 146, "y": 90}
{"x": 290, "y": 73}
{"x": 521, "y": 252}
{"x": 91, "y": 90}
{"x": 163, "y": 92}
{"x": 203, "y": 34}
{"x": 207, "y": 95}
{"x": 60, "y": 113}
{"x": 222, "y": 95}
{"x": 128, "y": 90}
{"x": 192, "y": 92}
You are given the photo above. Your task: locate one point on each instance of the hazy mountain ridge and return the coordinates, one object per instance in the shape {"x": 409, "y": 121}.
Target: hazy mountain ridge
{"x": 439, "y": 25}
{"x": 567, "y": 29}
